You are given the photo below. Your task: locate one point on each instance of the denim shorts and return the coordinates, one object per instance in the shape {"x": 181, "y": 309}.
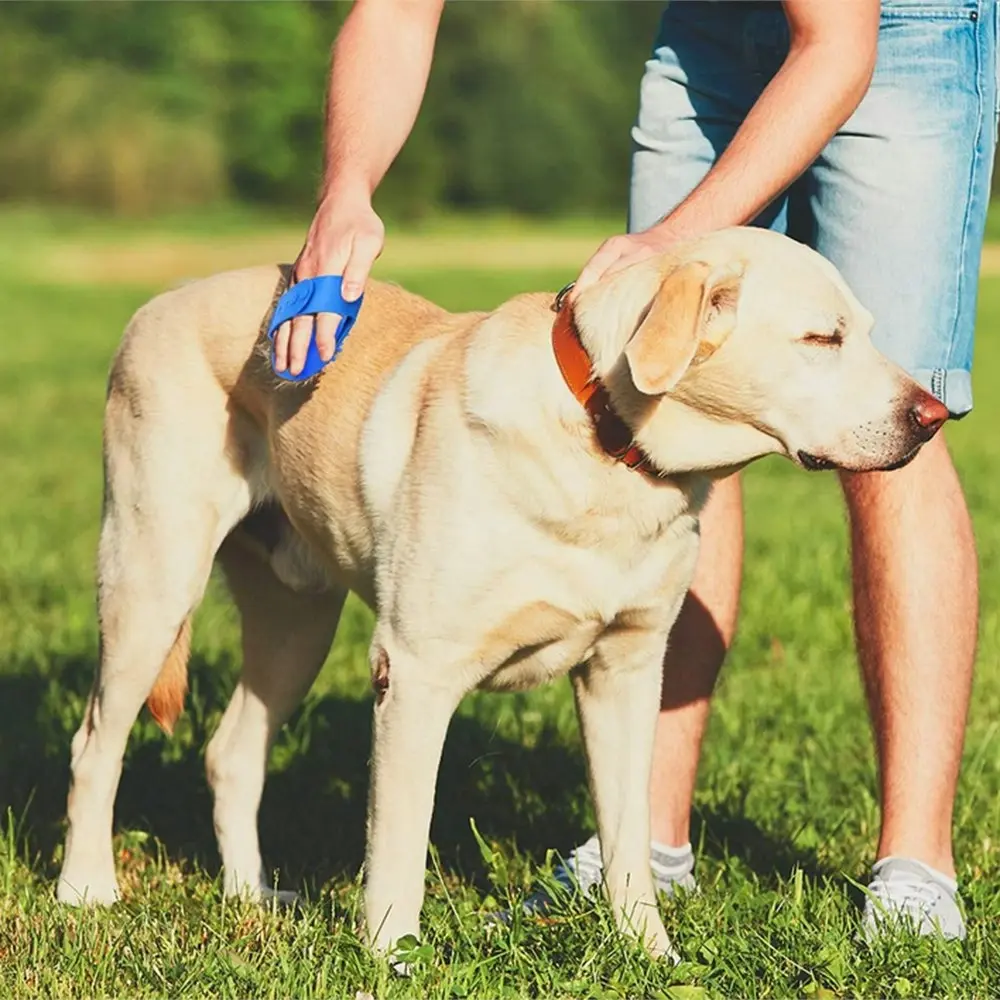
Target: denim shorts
{"x": 897, "y": 200}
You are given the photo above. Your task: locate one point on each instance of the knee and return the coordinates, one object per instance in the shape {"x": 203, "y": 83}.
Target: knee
{"x": 80, "y": 740}
{"x": 930, "y": 473}
{"x": 721, "y": 522}
{"x": 719, "y": 570}
{"x": 214, "y": 762}
{"x": 222, "y": 767}
{"x": 725, "y": 502}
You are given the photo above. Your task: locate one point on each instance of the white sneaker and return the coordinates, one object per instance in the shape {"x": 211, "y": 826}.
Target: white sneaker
{"x": 673, "y": 869}
{"x": 906, "y": 891}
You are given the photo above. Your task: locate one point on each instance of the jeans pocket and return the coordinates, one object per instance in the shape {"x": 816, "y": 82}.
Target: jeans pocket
{"x": 928, "y": 10}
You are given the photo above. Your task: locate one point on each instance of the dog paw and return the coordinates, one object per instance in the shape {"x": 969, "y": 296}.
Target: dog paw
{"x": 75, "y": 890}
{"x": 278, "y": 897}
{"x": 660, "y": 947}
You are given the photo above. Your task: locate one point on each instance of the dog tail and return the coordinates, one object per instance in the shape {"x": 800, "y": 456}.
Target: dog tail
{"x": 166, "y": 700}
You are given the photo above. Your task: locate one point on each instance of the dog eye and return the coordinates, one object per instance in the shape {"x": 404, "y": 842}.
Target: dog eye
{"x": 823, "y": 339}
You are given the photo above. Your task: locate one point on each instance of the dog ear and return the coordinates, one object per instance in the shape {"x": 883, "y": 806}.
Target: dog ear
{"x": 689, "y": 318}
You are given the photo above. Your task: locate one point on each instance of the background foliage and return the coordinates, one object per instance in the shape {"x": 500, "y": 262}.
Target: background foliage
{"x": 137, "y": 107}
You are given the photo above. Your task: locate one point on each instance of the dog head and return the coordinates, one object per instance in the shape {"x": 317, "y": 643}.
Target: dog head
{"x": 746, "y": 343}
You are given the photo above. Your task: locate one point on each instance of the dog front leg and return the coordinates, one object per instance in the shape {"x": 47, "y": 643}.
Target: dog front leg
{"x": 411, "y": 719}
{"x": 617, "y": 703}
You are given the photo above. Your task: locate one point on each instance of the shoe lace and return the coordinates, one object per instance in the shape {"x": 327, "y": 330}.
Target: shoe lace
{"x": 912, "y": 895}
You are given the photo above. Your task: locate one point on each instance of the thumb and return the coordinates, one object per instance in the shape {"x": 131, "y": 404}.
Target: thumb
{"x": 607, "y": 253}
{"x": 364, "y": 252}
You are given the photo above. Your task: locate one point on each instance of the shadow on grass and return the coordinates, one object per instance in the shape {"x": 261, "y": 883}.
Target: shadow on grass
{"x": 312, "y": 818}
{"x": 731, "y": 835}
{"x": 313, "y": 812}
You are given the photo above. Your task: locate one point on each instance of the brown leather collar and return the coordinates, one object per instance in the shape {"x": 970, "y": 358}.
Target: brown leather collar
{"x": 612, "y": 433}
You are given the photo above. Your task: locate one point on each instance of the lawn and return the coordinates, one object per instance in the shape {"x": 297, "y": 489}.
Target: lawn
{"x": 786, "y": 815}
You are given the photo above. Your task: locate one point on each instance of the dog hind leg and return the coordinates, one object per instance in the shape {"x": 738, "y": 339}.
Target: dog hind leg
{"x": 171, "y": 496}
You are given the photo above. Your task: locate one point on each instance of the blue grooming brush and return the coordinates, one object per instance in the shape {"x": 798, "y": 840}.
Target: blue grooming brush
{"x": 306, "y": 298}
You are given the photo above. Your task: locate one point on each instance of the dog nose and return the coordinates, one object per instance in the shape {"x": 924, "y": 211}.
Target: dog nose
{"x": 928, "y": 414}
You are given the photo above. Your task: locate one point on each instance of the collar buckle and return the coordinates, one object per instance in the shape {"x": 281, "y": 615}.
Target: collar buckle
{"x": 560, "y": 299}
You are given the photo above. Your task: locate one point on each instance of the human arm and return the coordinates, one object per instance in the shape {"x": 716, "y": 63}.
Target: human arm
{"x": 824, "y": 77}
{"x": 380, "y": 64}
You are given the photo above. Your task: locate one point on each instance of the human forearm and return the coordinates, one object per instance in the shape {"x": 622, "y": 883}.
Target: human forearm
{"x": 812, "y": 95}
{"x": 381, "y": 62}
{"x": 823, "y": 79}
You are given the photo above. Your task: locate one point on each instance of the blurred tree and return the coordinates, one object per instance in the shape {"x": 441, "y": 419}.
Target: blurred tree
{"x": 136, "y": 107}
{"x": 528, "y": 108}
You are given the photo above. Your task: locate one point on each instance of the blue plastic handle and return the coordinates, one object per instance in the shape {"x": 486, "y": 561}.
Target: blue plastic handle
{"x": 306, "y": 298}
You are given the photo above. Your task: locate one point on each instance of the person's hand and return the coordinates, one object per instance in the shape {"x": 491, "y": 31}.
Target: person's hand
{"x": 345, "y": 238}
{"x": 619, "y": 252}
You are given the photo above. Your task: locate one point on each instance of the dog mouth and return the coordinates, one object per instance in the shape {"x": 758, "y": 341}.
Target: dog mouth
{"x": 816, "y": 463}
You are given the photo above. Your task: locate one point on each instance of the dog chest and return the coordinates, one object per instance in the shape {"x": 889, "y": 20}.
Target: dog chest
{"x": 573, "y": 612}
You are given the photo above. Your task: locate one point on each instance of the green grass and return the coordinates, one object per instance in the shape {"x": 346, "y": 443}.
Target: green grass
{"x": 786, "y": 814}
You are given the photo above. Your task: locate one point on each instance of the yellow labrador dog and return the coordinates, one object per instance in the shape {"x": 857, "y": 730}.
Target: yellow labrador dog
{"x": 459, "y": 474}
